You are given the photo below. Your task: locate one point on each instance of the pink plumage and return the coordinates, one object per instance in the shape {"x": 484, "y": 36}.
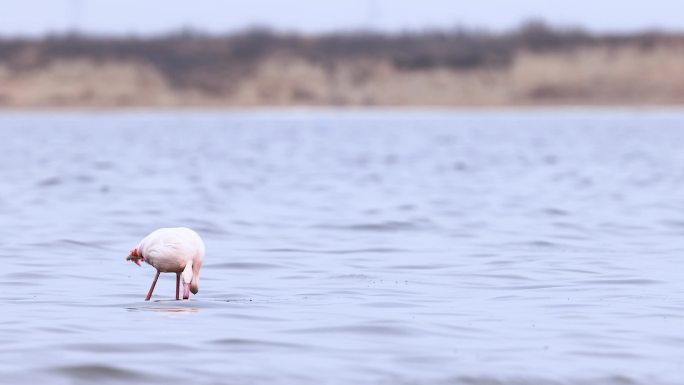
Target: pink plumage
{"x": 177, "y": 250}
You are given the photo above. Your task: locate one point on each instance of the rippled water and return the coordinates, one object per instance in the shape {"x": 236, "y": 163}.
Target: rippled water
{"x": 346, "y": 248}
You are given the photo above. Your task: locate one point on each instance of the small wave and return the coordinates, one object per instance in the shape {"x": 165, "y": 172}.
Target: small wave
{"x": 391, "y": 305}
{"x": 359, "y": 329}
{"x": 180, "y": 310}
{"x": 388, "y": 226}
{"x": 243, "y": 343}
{"x": 99, "y": 372}
{"x": 92, "y": 245}
{"x": 578, "y": 271}
{"x": 521, "y": 380}
{"x": 84, "y": 178}
{"x": 49, "y": 182}
{"x": 421, "y": 267}
{"x": 548, "y": 244}
{"x": 31, "y": 275}
{"x": 103, "y": 165}
{"x": 673, "y": 223}
{"x": 525, "y": 287}
{"x": 124, "y": 348}
{"x": 246, "y": 266}
{"x": 620, "y": 355}
{"x": 72, "y": 242}
{"x": 487, "y": 380}
{"x": 338, "y": 251}
{"x": 351, "y": 276}
{"x": 555, "y": 212}
{"x": 634, "y": 281}
{"x": 514, "y": 277}
{"x": 535, "y": 245}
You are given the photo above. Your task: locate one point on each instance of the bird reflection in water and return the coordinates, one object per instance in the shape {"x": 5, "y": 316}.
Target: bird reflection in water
{"x": 181, "y": 310}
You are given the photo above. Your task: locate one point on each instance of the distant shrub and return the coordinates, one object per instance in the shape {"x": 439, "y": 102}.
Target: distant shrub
{"x": 196, "y": 60}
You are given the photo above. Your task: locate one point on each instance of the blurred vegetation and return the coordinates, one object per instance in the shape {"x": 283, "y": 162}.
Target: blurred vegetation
{"x": 196, "y": 60}
{"x": 531, "y": 65}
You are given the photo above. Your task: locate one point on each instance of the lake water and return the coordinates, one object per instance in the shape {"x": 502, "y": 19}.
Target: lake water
{"x": 521, "y": 247}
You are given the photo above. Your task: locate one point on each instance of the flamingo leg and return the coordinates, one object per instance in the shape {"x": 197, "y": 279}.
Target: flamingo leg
{"x": 177, "y": 285}
{"x": 154, "y": 283}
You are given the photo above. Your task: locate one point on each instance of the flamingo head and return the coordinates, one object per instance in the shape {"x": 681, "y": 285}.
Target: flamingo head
{"x": 135, "y": 256}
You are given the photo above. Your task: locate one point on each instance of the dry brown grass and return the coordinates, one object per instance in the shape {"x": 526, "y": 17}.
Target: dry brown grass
{"x": 86, "y": 83}
{"x": 593, "y": 75}
{"x": 626, "y": 75}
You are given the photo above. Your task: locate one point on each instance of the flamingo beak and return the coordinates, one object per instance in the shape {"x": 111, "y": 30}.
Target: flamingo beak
{"x": 135, "y": 256}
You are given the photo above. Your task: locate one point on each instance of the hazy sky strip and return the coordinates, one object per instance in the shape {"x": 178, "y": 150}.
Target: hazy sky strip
{"x": 34, "y": 17}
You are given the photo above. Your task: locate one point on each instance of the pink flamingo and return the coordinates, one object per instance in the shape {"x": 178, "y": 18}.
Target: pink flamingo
{"x": 177, "y": 250}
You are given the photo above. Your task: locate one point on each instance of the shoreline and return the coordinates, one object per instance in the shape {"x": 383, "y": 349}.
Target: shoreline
{"x": 677, "y": 108}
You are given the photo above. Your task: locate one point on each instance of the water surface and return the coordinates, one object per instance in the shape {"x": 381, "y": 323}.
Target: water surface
{"x": 346, "y": 248}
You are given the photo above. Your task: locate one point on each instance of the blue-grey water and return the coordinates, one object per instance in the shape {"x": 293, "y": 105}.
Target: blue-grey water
{"x": 538, "y": 247}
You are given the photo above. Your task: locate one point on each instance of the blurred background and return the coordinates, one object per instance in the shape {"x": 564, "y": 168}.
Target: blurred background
{"x": 443, "y": 236}
{"x": 105, "y": 53}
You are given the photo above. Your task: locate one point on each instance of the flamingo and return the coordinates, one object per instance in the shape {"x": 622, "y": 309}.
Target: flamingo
{"x": 177, "y": 250}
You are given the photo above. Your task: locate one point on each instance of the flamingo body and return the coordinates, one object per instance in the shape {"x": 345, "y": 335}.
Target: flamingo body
{"x": 177, "y": 250}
